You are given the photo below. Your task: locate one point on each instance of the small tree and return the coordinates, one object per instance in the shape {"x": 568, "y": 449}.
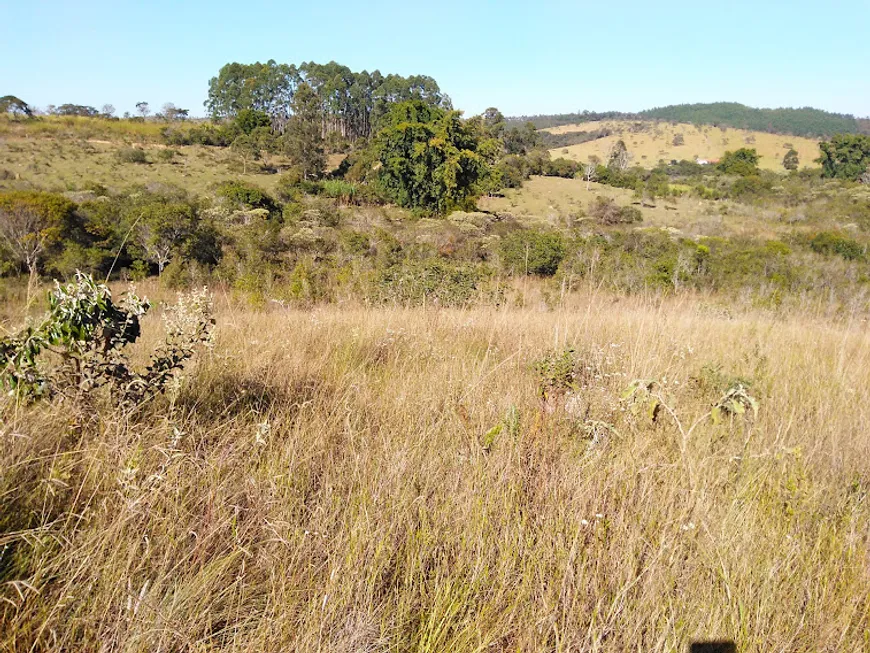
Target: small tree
{"x": 590, "y": 172}
{"x": 743, "y": 162}
{"x": 247, "y": 148}
{"x": 679, "y": 139}
{"x": 31, "y": 224}
{"x": 791, "y": 161}
{"x": 161, "y": 229}
{"x": 108, "y": 110}
{"x": 618, "y": 158}
{"x": 143, "y": 109}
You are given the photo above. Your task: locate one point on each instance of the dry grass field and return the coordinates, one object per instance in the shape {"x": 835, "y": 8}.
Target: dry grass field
{"x": 654, "y": 141}
{"x": 557, "y": 201}
{"x": 356, "y": 479}
{"x": 69, "y": 164}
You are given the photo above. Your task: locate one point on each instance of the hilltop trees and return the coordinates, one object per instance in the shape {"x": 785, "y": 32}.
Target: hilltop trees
{"x": 429, "y": 158}
{"x": 349, "y": 104}
{"x": 303, "y": 140}
{"x": 845, "y": 156}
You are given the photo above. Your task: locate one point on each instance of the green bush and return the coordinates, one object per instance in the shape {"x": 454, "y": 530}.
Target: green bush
{"x": 532, "y": 252}
{"x": 131, "y": 155}
{"x": 246, "y": 196}
{"x": 828, "y": 243}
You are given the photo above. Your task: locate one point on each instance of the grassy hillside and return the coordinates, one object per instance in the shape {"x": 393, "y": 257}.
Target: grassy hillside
{"x": 69, "y": 154}
{"x": 651, "y": 142}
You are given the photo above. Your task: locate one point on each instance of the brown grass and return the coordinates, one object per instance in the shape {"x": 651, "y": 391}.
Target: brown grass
{"x": 655, "y": 143}
{"x": 554, "y": 200}
{"x": 324, "y": 481}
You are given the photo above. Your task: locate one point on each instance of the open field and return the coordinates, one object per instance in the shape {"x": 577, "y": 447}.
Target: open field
{"x": 650, "y": 142}
{"x": 390, "y": 480}
{"x": 559, "y": 202}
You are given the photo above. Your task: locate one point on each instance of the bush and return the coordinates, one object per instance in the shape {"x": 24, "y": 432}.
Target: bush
{"x": 88, "y": 332}
{"x": 532, "y": 252}
{"x": 561, "y": 168}
{"x": 131, "y": 155}
{"x": 608, "y": 212}
{"x": 166, "y": 155}
{"x": 829, "y": 243}
{"x": 246, "y": 196}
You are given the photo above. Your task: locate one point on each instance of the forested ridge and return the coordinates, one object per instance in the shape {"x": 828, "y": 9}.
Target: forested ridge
{"x": 804, "y": 121}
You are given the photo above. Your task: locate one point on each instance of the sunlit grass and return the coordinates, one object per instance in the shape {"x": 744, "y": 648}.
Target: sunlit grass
{"x": 361, "y": 479}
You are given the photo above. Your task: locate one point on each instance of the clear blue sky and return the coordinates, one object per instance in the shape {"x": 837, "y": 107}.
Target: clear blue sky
{"x": 523, "y": 57}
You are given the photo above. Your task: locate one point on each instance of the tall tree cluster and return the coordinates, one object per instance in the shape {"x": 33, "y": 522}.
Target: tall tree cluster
{"x": 350, "y": 103}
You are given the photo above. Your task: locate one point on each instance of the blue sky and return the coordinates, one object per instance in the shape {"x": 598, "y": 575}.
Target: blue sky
{"x": 523, "y": 57}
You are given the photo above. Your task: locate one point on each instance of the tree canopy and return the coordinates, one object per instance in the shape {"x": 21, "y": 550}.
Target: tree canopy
{"x": 430, "y": 159}
{"x": 845, "y": 156}
{"x": 743, "y": 162}
{"x": 350, "y": 103}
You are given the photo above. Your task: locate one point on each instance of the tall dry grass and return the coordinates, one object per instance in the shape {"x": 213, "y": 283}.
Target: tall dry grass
{"x": 330, "y": 480}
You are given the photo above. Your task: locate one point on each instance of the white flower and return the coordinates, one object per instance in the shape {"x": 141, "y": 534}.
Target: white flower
{"x": 584, "y": 522}
{"x": 263, "y": 430}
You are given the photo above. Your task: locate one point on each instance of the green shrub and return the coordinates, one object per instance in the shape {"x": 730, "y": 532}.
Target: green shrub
{"x": 828, "y": 243}
{"x": 131, "y": 155}
{"x": 532, "y": 252}
{"x": 246, "y": 196}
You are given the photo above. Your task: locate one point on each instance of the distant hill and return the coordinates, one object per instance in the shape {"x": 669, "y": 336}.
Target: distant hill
{"x": 808, "y": 122}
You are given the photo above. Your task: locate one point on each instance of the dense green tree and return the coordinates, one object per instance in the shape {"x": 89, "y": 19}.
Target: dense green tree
{"x": 532, "y": 252}
{"x": 845, "y": 156}
{"x": 429, "y": 158}
{"x": 303, "y": 140}
{"x": 743, "y": 162}
{"x": 248, "y": 120}
{"x": 791, "y": 161}
{"x": 494, "y": 122}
